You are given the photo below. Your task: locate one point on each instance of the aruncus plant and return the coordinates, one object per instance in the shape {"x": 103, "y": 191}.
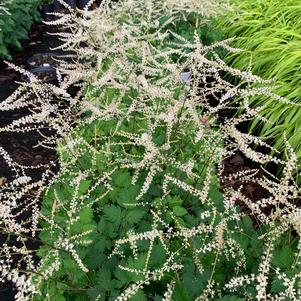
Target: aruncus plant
{"x": 136, "y": 212}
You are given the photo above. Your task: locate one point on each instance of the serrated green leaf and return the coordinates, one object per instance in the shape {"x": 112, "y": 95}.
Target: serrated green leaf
{"x": 139, "y": 296}
{"x": 193, "y": 282}
{"x": 136, "y": 264}
{"x": 104, "y": 281}
{"x": 134, "y": 216}
{"x": 158, "y": 255}
{"x": 241, "y": 239}
{"x": 84, "y": 186}
{"x": 59, "y": 297}
{"x": 127, "y": 196}
{"x": 121, "y": 178}
{"x": 180, "y": 293}
{"x": 174, "y": 201}
{"x": 86, "y": 215}
{"x": 283, "y": 258}
{"x": 277, "y": 286}
{"x": 179, "y": 211}
{"x": 247, "y": 223}
{"x": 112, "y": 213}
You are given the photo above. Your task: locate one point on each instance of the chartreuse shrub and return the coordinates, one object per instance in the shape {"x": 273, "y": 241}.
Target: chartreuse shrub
{"x": 270, "y": 33}
{"x": 15, "y": 24}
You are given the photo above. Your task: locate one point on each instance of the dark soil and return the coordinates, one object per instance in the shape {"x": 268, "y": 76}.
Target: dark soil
{"x": 41, "y": 60}
{"x": 251, "y": 190}
{"x": 46, "y": 75}
{"x": 239, "y": 163}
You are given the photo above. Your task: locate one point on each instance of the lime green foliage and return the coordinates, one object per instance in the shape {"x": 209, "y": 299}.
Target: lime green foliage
{"x": 15, "y": 25}
{"x": 270, "y": 32}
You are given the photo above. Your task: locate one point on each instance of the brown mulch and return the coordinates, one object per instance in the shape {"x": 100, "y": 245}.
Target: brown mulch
{"x": 239, "y": 163}
{"x": 251, "y": 190}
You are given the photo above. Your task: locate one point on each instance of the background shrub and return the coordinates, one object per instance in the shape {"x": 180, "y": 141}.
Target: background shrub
{"x": 15, "y": 26}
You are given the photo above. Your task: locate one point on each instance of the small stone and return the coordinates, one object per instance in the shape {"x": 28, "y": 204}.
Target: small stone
{"x": 2, "y": 181}
{"x": 38, "y": 157}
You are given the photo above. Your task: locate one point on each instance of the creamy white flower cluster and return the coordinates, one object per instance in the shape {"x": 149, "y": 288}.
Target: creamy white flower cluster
{"x": 4, "y": 7}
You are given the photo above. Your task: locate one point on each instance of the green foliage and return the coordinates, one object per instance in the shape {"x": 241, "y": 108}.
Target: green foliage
{"x": 15, "y": 26}
{"x": 270, "y": 33}
{"x": 115, "y": 217}
{"x": 193, "y": 25}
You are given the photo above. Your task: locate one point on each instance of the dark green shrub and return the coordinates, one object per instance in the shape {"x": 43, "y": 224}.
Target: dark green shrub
{"x": 15, "y": 26}
{"x": 187, "y": 29}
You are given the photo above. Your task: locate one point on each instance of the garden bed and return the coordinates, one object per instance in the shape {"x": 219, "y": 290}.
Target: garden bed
{"x": 160, "y": 190}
